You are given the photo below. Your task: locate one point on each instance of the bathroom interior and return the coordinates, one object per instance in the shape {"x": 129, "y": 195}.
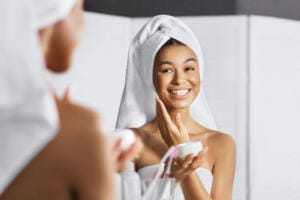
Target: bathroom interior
{"x": 252, "y": 77}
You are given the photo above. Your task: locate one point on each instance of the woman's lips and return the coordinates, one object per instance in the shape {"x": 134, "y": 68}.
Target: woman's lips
{"x": 179, "y": 93}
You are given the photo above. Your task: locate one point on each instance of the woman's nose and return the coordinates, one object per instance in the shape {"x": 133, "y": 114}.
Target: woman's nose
{"x": 178, "y": 78}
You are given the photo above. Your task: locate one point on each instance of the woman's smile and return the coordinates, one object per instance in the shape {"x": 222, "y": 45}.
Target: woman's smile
{"x": 179, "y": 93}
{"x": 176, "y": 76}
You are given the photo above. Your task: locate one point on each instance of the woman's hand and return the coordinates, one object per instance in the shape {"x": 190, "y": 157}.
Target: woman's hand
{"x": 172, "y": 133}
{"x": 182, "y": 167}
{"x": 122, "y": 158}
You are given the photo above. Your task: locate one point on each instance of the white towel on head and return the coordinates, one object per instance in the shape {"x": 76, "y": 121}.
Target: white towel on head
{"x": 49, "y": 11}
{"x": 138, "y": 101}
{"x": 28, "y": 117}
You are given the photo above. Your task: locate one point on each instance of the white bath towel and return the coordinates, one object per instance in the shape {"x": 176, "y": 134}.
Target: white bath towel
{"x": 28, "y": 118}
{"x": 138, "y": 104}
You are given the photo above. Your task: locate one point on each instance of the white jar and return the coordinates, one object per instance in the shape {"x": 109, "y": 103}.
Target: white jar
{"x": 193, "y": 148}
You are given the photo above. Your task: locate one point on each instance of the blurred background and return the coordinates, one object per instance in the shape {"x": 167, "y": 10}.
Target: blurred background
{"x": 143, "y": 8}
{"x": 252, "y": 77}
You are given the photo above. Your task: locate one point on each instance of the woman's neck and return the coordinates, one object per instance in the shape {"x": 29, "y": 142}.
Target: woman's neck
{"x": 184, "y": 114}
{"x": 186, "y": 118}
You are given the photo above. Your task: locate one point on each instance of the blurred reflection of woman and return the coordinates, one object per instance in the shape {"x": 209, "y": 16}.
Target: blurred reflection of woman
{"x": 48, "y": 149}
{"x": 164, "y": 103}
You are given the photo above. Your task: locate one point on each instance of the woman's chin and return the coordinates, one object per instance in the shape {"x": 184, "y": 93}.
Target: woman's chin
{"x": 59, "y": 67}
{"x": 179, "y": 105}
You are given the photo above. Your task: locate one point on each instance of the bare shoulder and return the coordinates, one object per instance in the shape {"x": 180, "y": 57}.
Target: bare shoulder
{"x": 87, "y": 114}
{"x": 73, "y": 160}
{"x": 221, "y": 142}
{"x": 221, "y": 138}
{"x": 81, "y": 132}
{"x": 153, "y": 146}
{"x": 75, "y": 118}
{"x": 144, "y": 131}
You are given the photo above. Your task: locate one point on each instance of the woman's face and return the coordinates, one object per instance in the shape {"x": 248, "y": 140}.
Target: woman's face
{"x": 62, "y": 39}
{"x": 176, "y": 76}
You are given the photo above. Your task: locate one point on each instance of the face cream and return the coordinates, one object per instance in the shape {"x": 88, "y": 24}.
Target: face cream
{"x": 193, "y": 148}
{"x": 127, "y": 136}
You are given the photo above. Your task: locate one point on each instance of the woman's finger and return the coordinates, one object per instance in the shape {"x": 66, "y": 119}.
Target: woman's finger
{"x": 195, "y": 164}
{"x": 187, "y": 161}
{"x": 128, "y": 155}
{"x": 117, "y": 147}
{"x": 164, "y": 113}
{"x": 199, "y": 158}
{"x": 164, "y": 123}
{"x": 202, "y": 153}
{"x": 160, "y": 120}
{"x": 158, "y": 114}
{"x": 182, "y": 129}
{"x": 179, "y": 160}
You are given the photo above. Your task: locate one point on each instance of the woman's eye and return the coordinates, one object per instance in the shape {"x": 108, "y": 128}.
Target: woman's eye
{"x": 166, "y": 70}
{"x": 189, "y": 68}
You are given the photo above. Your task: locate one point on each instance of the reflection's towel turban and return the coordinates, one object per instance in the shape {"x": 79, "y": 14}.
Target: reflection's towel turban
{"x": 138, "y": 101}
{"x": 28, "y": 118}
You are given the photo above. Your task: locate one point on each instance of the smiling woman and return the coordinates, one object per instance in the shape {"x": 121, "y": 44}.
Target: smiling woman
{"x": 176, "y": 75}
{"x": 165, "y": 68}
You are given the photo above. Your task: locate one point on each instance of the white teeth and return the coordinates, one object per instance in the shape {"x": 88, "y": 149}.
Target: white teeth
{"x": 180, "y": 92}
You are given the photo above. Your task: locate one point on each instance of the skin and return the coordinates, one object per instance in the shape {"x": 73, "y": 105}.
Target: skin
{"x": 79, "y": 163}
{"x": 176, "y": 67}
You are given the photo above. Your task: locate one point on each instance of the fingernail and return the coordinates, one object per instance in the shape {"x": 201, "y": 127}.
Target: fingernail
{"x": 205, "y": 149}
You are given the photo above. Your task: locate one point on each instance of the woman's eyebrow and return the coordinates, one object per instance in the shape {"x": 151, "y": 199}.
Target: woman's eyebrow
{"x": 170, "y": 63}
{"x": 190, "y": 59}
{"x": 164, "y": 63}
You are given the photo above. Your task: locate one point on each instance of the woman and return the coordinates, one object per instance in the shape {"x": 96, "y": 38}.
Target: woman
{"x": 165, "y": 65}
{"x": 38, "y": 158}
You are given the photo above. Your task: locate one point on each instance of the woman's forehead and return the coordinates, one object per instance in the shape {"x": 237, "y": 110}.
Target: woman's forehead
{"x": 176, "y": 52}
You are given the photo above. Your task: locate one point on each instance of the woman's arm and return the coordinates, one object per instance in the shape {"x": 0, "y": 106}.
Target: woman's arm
{"x": 223, "y": 148}
{"x": 224, "y": 167}
{"x": 191, "y": 185}
{"x": 193, "y": 188}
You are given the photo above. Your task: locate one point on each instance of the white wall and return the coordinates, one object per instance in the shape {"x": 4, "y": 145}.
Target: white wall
{"x": 274, "y": 109}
